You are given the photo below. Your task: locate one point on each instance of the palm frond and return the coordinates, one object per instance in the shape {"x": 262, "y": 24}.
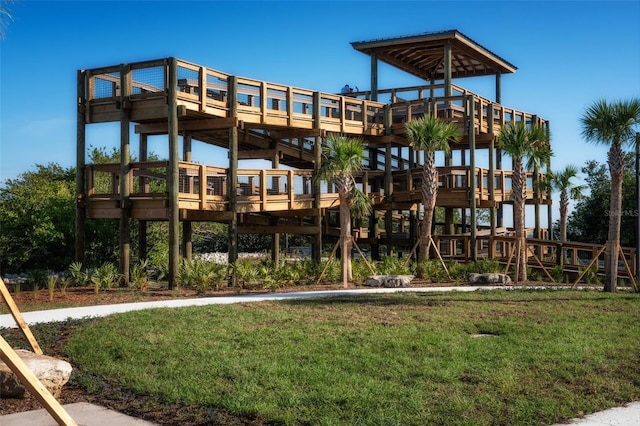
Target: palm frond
{"x": 360, "y": 204}
{"x": 431, "y": 134}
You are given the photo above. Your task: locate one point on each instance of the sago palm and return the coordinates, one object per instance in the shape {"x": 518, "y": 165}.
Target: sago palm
{"x": 612, "y": 124}
{"x": 528, "y": 147}
{"x": 341, "y": 158}
{"x": 430, "y": 134}
{"x": 562, "y": 181}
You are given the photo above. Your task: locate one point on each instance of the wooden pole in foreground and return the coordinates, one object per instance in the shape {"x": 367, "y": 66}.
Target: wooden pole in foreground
{"x": 17, "y": 316}
{"x": 20, "y": 369}
{"x": 33, "y": 385}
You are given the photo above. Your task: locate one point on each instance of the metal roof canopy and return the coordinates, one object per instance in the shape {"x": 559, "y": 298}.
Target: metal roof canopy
{"x": 423, "y": 55}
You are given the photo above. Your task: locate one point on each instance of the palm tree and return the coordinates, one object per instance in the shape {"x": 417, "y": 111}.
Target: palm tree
{"x": 561, "y": 181}
{"x": 612, "y": 124}
{"x": 530, "y": 145}
{"x": 5, "y": 17}
{"x": 430, "y": 134}
{"x": 342, "y": 157}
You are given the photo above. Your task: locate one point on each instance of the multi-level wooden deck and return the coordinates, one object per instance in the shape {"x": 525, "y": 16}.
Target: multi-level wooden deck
{"x": 281, "y": 121}
{"x": 285, "y": 125}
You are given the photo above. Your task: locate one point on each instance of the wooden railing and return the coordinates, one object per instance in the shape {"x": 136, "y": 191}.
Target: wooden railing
{"x": 205, "y": 187}
{"x": 456, "y": 179}
{"x": 210, "y": 91}
{"x": 255, "y": 101}
{"x": 412, "y": 102}
{"x": 573, "y": 257}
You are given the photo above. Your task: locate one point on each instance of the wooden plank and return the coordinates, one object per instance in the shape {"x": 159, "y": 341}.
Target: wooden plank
{"x": 17, "y": 316}
{"x": 190, "y": 125}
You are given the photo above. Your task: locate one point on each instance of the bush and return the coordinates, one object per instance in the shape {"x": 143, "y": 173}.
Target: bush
{"x": 457, "y": 271}
{"x": 484, "y": 266}
{"x": 392, "y": 265}
{"x": 105, "y": 276}
{"x": 431, "y": 269}
{"x": 202, "y": 275}
{"x": 139, "y": 275}
{"x": 78, "y": 276}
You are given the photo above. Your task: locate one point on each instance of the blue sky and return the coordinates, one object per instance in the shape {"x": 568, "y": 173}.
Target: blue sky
{"x": 568, "y": 55}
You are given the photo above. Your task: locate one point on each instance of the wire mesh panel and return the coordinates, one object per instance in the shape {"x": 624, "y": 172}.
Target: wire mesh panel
{"x": 105, "y": 86}
{"x": 277, "y": 100}
{"x": 216, "y": 87}
{"x": 249, "y": 94}
{"x": 147, "y": 80}
{"x": 302, "y": 184}
{"x": 248, "y": 184}
{"x": 303, "y": 104}
{"x": 188, "y": 80}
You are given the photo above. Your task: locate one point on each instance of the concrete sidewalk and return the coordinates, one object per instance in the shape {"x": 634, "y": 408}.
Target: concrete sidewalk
{"x": 104, "y": 310}
{"x": 94, "y": 415}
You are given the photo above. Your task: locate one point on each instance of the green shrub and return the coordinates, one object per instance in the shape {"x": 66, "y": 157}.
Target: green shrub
{"x": 484, "y": 266}
{"x": 591, "y": 275}
{"x": 78, "y": 275}
{"x": 431, "y": 269}
{"x": 105, "y": 276}
{"x": 392, "y": 265}
{"x": 558, "y": 274}
{"x": 201, "y": 275}
{"x": 361, "y": 271}
{"x": 37, "y": 278}
{"x": 246, "y": 271}
{"x": 139, "y": 275}
{"x": 332, "y": 271}
{"x": 457, "y": 271}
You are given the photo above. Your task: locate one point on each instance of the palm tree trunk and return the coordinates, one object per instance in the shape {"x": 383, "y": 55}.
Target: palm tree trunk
{"x": 616, "y": 169}
{"x": 429, "y": 194}
{"x": 564, "y": 208}
{"x": 345, "y": 241}
{"x": 518, "y": 186}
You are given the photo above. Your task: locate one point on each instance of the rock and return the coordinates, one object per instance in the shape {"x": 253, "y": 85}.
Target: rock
{"x": 52, "y": 372}
{"x": 389, "y": 281}
{"x": 489, "y": 279}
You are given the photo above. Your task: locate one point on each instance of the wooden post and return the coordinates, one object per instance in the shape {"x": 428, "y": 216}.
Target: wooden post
{"x": 498, "y": 89}
{"x": 17, "y": 316}
{"x": 472, "y": 175}
{"x": 275, "y": 238}
{"x": 187, "y": 230}
{"x": 172, "y": 174}
{"x": 316, "y": 247}
{"x": 374, "y": 76}
{"x": 388, "y": 190}
{"x": 81, "y": 193}
{"x": 20, "y": 369}
{"x": 125, "y": 168}
{"x": 144, "y": 187}
{"x": 33, "y": 385}
{"x": 232, "y": 178}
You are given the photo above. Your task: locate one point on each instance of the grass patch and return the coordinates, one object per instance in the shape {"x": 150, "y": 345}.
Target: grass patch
{"x": 406, "y": 359}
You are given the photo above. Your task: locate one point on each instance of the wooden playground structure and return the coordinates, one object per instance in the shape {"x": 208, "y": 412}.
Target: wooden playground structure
{"x": 285, "y": 125}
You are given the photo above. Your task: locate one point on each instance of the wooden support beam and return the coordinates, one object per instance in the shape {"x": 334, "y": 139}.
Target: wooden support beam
{"x": 191, "y": 125}
{"x": 81, "y": 193}
{"x": 280, "y": 228}
{"x": 172, "y": 174}
{"x": 262, "y": 154}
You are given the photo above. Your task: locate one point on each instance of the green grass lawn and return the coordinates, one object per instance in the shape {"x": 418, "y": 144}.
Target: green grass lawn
{"x": 405, "y": 359}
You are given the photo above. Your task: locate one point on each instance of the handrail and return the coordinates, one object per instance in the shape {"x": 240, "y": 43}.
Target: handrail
{"x": 255, "y": 100}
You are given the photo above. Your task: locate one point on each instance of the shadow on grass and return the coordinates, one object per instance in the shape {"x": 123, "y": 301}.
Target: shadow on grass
{"x": 441, "y": 299}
